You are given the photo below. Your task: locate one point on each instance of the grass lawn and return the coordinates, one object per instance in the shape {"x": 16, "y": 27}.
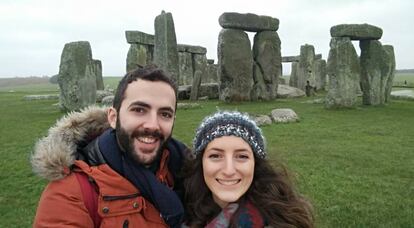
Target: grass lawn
{"x": 355, "y": 165}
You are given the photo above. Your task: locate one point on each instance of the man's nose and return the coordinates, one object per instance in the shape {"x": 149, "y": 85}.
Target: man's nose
{"x": 151, "y": 122}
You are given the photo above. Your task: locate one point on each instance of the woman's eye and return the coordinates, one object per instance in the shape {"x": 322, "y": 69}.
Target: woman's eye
{"x": 214, "y": 156}
{"x": 243, "y": 156}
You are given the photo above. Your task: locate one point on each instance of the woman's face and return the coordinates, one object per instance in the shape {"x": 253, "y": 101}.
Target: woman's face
{"x": 228, "y": 168}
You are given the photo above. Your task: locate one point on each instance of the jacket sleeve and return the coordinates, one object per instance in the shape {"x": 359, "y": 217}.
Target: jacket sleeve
{"x": 62, "y": 205}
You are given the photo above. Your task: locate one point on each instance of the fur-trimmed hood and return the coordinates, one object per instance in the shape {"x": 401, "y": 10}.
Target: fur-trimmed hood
{"x": 54, "y": 154}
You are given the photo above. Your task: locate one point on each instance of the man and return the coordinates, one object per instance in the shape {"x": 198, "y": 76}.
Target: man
{"x": 127, "y": 154}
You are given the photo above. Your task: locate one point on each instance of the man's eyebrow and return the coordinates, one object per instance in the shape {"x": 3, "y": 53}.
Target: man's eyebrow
{"x": 139, "y": 103}
{"x": 169, "y": 109}
{"x": 146, "y": 105}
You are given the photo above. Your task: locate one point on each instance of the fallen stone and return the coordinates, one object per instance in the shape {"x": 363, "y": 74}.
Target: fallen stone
{"x": 403, "y": 94}
{"x": 108, "y": 100}
{"x": 285, "y": 91}
{"x": 284, "y": 115}
{"x": 188, "y": 105}
{"x": 262, "y": 120}
{"x": 101, "y": 94}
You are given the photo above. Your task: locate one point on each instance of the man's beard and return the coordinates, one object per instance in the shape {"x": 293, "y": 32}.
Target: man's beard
{"x": 126, "y": 142}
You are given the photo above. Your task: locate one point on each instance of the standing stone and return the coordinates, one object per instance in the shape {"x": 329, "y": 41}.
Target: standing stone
{"x": 235, "y": 62}
{"x": 141, "y": 49}
{"x": 165, "y": 49}
{"x": 293, "y": 80}
{"x": 305, "y": 68}
{"x": 98, "y": 73}
{"x": 259, "y": 91}
{"x": 200, "y": 66}
{"x": 268, "y": 65}
{"x": 211, "y": 74}
{"x": 343, "y": 71}
{"x": 138, "y": 55}
{"x": 77, "y": 79}
{"x": 373, "y": 80}
{"x": 319, "y": 69}
{"x": 389, "y": 69}
{"x": 186, "y": 68}
{"x": 210, "y": 90}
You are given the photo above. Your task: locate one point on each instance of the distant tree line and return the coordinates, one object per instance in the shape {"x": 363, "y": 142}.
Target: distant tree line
{"x": 404, "y": 71}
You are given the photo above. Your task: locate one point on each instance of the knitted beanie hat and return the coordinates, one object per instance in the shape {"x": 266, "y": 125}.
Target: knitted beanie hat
{"x": 224, "y": 123}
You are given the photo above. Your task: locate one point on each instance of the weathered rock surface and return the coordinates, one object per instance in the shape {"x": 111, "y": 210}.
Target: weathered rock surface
{"x": 77, "y": 80}
{"x": 248, "y": 22}
{"x": 289, "y": 59}
{"x": 285, "y": 91}
{"x": 185, "y": 68}
{"x": 284, "y": 115}
{"x": 235, "y": 62}
{"x": 97, "y": 68}
{"x": 357, "y": 31}
{"x": 192, "y": 49}
{"x": 262, "y": 120}
{"x": 138, "y": 55}
{"x": 108, "y": 100}
{"x": 200, "y": 70}
{"x": 210, "y": 90}
{"x": 373, "y": 77}
{"x": 305, "y": 68}
{"x": 343, "y": 71}
{"x": 388, "y": 69}
{"x": 319, "y": 70}
{"x": 403, "y": 94}
{"x": 165, "y": 48}
{"x": 268, "y": 66}
{"x": 138, "y": 37}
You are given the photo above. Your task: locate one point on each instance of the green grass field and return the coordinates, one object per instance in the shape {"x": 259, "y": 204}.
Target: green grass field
{"x": 355, "y": 165}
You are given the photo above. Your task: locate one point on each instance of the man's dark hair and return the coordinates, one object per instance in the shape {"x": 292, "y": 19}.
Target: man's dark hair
{"x": 148, "y": 73}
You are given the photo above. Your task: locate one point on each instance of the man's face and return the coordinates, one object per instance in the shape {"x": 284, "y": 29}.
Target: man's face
{"x": 145, "y": 119}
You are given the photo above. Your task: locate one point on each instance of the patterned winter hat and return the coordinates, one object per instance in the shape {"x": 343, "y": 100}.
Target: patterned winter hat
{"x": 224, "y": 123}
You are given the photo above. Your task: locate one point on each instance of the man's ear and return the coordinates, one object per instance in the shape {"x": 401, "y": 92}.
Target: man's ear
{"x": 112, "y": 117}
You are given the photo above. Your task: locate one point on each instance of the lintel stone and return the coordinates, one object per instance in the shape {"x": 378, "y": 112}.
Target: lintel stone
{"x": 137, "y": 37}
{"x": 357, "y": 31}
{"x": 248, "y": 22}
{"x": 289, "y": 59}
{"x": 318, "y": 56}
{"x": 191, "y": 48}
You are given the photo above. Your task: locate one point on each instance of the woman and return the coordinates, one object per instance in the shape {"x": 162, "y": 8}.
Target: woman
{"x": 231, "y": 184}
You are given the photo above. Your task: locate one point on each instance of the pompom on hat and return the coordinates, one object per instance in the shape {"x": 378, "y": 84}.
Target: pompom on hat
{"x": 225, "y": 123}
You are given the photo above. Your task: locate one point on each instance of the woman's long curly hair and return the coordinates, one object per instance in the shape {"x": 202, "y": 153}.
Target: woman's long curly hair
{"x": 271, "y": 192}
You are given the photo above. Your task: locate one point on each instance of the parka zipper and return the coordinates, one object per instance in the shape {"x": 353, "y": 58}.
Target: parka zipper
{"x": 112, "y": 198}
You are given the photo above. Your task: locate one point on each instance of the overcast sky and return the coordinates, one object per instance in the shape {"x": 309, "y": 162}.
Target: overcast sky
{"x": 35, "y": 31}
